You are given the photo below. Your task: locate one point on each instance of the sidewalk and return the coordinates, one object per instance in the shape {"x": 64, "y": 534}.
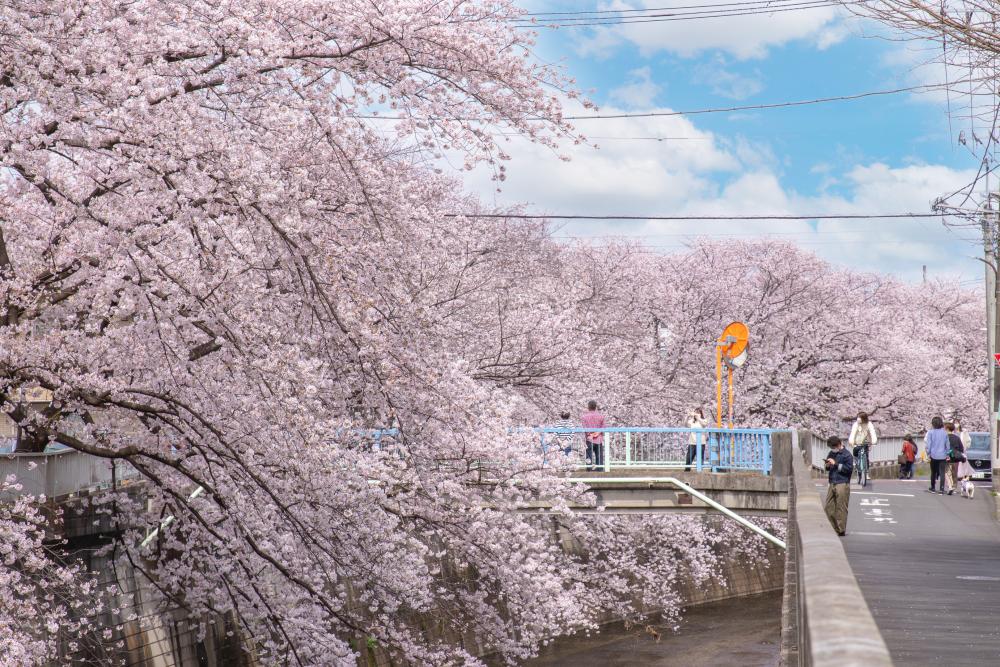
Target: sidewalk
{"x": 929, "y": 568}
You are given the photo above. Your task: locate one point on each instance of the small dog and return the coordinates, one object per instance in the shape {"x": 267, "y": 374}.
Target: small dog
{"x": 968, "y": 488}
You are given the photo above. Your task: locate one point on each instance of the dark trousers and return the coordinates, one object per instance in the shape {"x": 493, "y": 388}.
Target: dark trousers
{"x": 692, "y": 456}
{"x": 937, "y": 471}
{"x": 906, "y": 470}
{"x": 595, "y": 453}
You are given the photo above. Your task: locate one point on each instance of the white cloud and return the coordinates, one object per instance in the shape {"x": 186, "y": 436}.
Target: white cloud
{"x": 640, "y": 92}
{"x": 700, "y": 173}
{"x": 833, "y": 34}
{"x": 744, "y": 36}
{"x": 725, "y": 83}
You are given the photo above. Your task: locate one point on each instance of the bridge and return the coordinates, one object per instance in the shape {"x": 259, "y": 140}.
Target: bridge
{"x": 916, "y": 581}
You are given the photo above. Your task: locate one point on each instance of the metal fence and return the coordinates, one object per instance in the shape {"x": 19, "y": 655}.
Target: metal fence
{"x": 61, "y": 472}
{"x": 883, "y": 452}
{"x": 642, "y": 447}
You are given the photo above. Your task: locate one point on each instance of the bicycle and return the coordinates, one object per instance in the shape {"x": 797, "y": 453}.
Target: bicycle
{"x": 861, "y": 465}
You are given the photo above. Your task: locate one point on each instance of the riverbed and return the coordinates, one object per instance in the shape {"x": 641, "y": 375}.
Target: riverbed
{"x": 741, "y": 632}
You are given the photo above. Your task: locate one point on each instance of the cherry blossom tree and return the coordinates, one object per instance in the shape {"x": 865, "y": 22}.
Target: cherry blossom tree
{"x": 229, "y": 271}
{"x": 45, "y": 605}
{"x": 825, "y": 342}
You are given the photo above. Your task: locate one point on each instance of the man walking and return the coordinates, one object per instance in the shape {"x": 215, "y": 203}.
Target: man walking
{"x": 936, "y": 446}
{"x": 840, "y": 466}
{"x": 595, "y": 439}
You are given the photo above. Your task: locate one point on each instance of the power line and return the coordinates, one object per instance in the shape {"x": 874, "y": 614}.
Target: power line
{"x": 694, "y": 112}
{"x": 829, "y": 233}
{"x": 658, "y": 9}
{"x": 845, "y": 216}
{"x": 758, "y": 107}
{"x": 612, "y": 138}
{"x": 680, "y": 16}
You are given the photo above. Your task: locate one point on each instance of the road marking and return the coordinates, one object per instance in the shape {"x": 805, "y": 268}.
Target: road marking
{"x": 872, "y": 493}
{"x": 862, "y": 532}
{"x": 978, "y": 578}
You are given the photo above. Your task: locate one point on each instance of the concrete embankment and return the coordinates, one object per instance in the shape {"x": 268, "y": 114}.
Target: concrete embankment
{"x": 737, "y": 632}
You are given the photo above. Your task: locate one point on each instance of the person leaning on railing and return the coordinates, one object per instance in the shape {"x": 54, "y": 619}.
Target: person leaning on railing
{"x": 695, "y": 420}
{"x": 840, "y": 466}
{"x": 594, "y": 440}
{"x": 564, "y": 437}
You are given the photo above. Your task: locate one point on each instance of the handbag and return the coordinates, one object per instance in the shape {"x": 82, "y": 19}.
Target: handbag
{"x": 902, "y": 460}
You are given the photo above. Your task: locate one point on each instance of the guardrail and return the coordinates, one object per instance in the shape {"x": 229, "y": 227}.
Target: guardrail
{"x": 62, "y": 472}
{"x": 651, "y": 447}
{"x": 884, "y": 451}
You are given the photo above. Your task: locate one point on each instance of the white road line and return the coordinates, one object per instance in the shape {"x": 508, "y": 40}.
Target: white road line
{"x": 872, "y": 493}
{"x": 861, "y": 532}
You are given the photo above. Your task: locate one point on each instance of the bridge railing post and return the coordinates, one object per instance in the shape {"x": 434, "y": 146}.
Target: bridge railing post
{"x": 606, "y": 445}
{"x": 698, "y": 449}
{"x": 628, "y": 449}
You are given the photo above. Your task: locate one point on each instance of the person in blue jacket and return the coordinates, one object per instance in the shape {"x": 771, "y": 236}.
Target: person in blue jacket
{"x": 936, "y": 446}
{"x": 840, "y": 466}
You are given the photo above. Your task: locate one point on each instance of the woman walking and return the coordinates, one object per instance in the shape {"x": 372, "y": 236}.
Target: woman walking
{"x": 909, "y": 457}
{"x": 965, "y": 471}
{"x": 956, "y": 454}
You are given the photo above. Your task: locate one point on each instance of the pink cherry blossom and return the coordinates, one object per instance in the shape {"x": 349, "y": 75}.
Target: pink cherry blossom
{"x": 228, "y": 271}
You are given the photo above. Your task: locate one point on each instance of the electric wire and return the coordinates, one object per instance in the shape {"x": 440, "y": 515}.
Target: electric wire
{"x": 690, "y": 112}
{"x": 739, "y": 3}
{"x": 681, "y": 16}
{"x": 777, "y": 216}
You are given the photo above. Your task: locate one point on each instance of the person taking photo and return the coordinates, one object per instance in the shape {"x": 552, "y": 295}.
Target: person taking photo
{"x": 840, "y": 466}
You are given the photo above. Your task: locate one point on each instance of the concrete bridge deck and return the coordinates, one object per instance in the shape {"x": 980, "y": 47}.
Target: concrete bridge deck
{"x": 929, "y": 568}
{"x": 638, "y": 490}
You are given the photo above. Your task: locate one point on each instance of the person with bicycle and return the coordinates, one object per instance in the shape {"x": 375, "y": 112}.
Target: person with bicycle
{"x": 862, "y": 437}
{"x": 839, "y": 465}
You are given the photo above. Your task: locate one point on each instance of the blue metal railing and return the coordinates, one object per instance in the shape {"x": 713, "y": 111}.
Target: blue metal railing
{"x": 649, "y": 447}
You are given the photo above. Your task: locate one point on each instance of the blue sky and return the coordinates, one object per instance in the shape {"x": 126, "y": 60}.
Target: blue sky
{"x": 878, "y": 155}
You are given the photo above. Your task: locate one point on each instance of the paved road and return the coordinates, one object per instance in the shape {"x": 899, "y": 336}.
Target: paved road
{"x": 741, "y": 632}
{"x": 929, "y": 568}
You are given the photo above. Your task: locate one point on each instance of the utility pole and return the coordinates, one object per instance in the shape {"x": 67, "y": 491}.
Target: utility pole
{"x": 992, "y": 329}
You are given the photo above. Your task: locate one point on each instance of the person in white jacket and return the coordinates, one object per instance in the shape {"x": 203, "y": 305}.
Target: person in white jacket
{"x": 695, "y": 420}
{"x": 863, "y": 435}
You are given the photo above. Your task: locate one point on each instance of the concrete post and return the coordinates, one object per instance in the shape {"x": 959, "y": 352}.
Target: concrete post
{"x": 781, "y": 454}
